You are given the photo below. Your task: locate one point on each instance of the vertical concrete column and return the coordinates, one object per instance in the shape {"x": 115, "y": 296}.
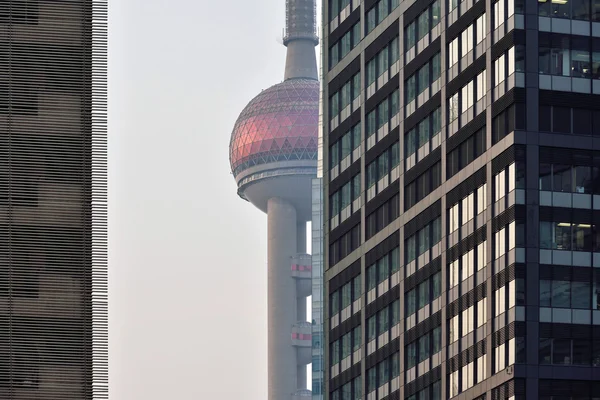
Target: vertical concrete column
{"x": 281, "y": 244}
{"x": 301, "y": 60}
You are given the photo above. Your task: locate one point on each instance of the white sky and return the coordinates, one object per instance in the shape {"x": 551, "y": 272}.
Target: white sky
{"x": 187, "y": 256}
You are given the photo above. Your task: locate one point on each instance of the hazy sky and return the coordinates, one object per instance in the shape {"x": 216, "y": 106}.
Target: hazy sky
{"x": 187, "y": 256}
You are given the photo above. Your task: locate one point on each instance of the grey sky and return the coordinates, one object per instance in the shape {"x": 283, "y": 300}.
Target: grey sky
{"x": 187, "y": 256}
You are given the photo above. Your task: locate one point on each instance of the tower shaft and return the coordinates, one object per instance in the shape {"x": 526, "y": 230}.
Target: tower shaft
{"x": 286, "y": 304}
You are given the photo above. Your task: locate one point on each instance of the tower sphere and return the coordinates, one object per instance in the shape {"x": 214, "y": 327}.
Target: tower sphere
{"x": 274, "y": 142}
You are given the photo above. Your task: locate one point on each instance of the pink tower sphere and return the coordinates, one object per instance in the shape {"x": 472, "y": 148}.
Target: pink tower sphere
{"x": 278, "y": 125}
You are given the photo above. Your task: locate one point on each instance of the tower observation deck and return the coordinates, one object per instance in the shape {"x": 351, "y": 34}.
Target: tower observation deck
{"x": 273, "y": 157}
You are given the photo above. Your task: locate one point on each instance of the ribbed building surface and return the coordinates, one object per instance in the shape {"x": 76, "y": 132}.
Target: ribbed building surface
{"x": 53, "y": 257}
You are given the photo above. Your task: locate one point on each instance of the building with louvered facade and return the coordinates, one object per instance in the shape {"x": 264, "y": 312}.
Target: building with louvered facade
{"x": 461, "y": 199}
{"x": 53, "y": 210}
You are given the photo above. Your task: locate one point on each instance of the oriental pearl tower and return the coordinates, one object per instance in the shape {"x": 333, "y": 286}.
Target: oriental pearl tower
{"x": 273, "y": 156}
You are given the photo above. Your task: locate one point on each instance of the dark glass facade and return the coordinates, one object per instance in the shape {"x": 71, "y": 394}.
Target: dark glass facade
{"x": 468, "y": 258}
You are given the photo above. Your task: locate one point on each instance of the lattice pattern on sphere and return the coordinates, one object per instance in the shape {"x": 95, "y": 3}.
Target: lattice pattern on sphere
{"x": 279, "y": 124}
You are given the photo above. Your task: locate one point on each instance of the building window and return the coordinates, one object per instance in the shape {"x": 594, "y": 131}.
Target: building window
{"x": 383, "y": 321}
{"x": 427, "y": 237}
{"x": 381, "y": 115}
{"x": 465, "y": 153}
{"x": 567, "y": 294}
{"x": 568, "y": 236}
{"x": 582, "y": 10}
{"x": 379, "y": 11}
{"x": 383, "y": 373}
{"x": 342, "y": 101}
{"x": 568, "y": 351}
{"x": 425, "y": 81}
{"x": 467, "y": 264}
{"x": 345, "y": 245}
{"x": 382, "y": 62}
{"x": 344, "y": 148}
{"x": 564, "y": 55}
{"x": 417, "y": 31}
{"x": 432, "y": 392}
{"x": 345, "y": 296}
{"x": 342, "y": 203}
{"x": 342, "y": 47}
{"x": 383, "y": 269}
{"x": 423, "y": 348}
{"x": 422, "y": 186}
{"x": 423, "y": 294}
{"x": 346, "y": 346}
{"x": 382, "y": 216}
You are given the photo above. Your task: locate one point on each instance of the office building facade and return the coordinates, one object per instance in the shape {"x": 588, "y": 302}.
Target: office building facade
{"x": 53, "y": 245}
{"x": 461, "y": 199}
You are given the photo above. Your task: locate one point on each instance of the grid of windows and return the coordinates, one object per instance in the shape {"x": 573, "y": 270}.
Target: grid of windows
{"x": 423, "y": 185}
{"x": 467, "y": 103}
{"x": 343, "y": 202}
{"x": 466, "y": 46}
{"x": 467, "y": 208}
{"x": 571, "y": 294}
{"x": 578, "y": 121}
{"x": 423, "y": 240}
{"x": 570, "y": 236}
{"x": 383, "y": 269}
{"x": 584, "y": 10}
{"x": 382, "y": 119}
{"x": 579, "y": 351}
{"x": 467, "y": 321}
{"x": 467, "y": 376}
{"x": 423, "y": 138}
{"x": 432, "y": 392}
{"x": 466, "y": 265}
{"x": 383, "y": 321}
{"x": 565, "y": 55}
{"x": 336, "y": 6}
{"x": 382, "y": 67}
{"x": 583, "y": 179}
{"x": 422, "y": 31}
{"x": 513, "y": 117}
{"x": 344, "y": 348}
{"x": 380, "y": 172}
{"x": 564, "y": 183}
{"x": 379, "y": 11}
{"x": 345, "y": 151}
{"x": 382, "y": 373}
{"x": 339, "y": 249}
{"x": 350, "y": 391}
{"x": 422, "y": 349}
{"x": 343, "y": 102}
{"x": 382, "y": 216}
{"x": 342, "y": 47}
{"x": 465, "y": 153}
{"x": 419, "y": 87}
{"x": 423, "y": 294}
{"x": 345, "y": 297}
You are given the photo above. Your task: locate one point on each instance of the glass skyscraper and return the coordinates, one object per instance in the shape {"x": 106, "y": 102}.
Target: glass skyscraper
{"x": 461, "y": 199}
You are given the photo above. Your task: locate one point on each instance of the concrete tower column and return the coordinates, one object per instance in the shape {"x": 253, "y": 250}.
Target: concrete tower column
{"x": 301, "y": 60}
{"x": 281, "y": 243}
